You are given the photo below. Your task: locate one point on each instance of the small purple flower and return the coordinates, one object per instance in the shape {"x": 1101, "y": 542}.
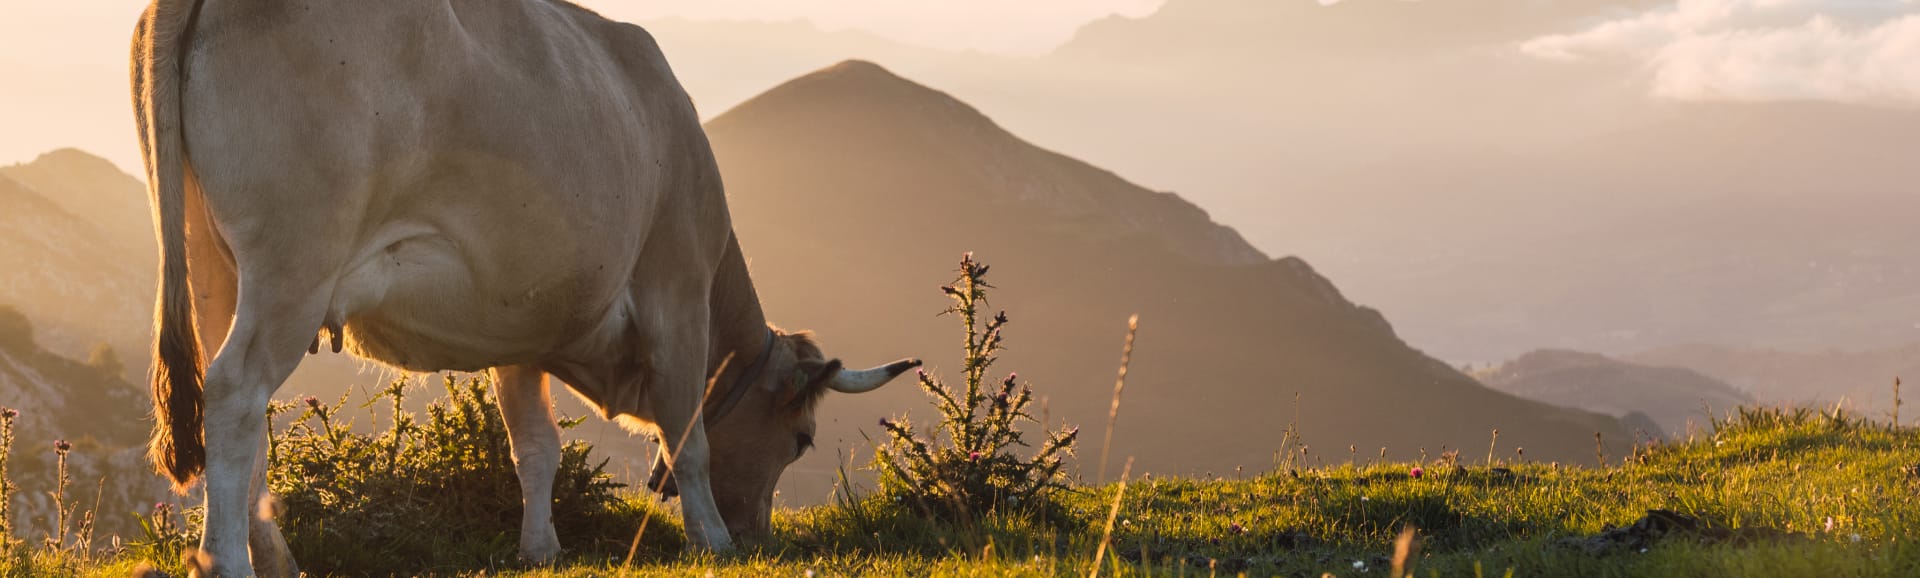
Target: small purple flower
{"x": 9, "y": 413}
{"x": 62, "y": 446}
{"x": 973, "y": 456}
{"x": 312, "y": 402}
{"x": 1236, "y": 528}
{"x": 1416, "y": 472}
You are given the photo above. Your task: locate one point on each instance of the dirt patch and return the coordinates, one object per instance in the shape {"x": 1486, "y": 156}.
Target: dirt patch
{"x": 1662, "y": 525}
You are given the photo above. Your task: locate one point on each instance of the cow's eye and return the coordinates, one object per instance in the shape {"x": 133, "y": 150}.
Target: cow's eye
{"x": 805, "y": 441}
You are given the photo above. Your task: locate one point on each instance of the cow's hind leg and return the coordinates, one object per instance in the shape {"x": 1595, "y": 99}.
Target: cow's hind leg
{"x": 215, "y": 292}
{"x": 270, "y": 554}
{"x": 528, "y": 410}
{"x": 276, "y": 318}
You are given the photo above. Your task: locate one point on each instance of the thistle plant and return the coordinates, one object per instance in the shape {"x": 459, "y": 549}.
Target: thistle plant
{"x": 62, "y": 511}
{"x": 965, "y": 466}
{"x": 7, "y": 417}
{"x": 168, "y": 532}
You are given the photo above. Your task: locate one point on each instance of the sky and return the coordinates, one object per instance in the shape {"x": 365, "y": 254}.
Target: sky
{"x": 1012, "y": 27}
{"x": 64, "y": 63}
{"x": 65, "y": 67}
{"x": 1855, "y": 51}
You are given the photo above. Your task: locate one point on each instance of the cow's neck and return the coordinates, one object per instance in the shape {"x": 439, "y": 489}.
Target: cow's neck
{"x": 739, "y": 325}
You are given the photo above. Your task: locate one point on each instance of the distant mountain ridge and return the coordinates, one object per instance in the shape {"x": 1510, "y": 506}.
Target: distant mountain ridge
{"x": 1860, "y": 380}
{"x": 1676, "y": 399}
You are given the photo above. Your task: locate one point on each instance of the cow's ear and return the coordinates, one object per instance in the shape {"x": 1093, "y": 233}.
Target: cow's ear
{"x": 818, "y": 372}
{"x": 810, "y": 380}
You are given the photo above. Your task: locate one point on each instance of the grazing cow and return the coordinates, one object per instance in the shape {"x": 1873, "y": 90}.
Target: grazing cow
{"x": 520, "y": 186}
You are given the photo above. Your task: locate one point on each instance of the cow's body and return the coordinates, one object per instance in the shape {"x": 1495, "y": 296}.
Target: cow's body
{"x": 515, "y": 185}
{"x": 403, "y": 132}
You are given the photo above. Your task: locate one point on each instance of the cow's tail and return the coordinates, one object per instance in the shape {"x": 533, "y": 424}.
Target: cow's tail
{"x": 178, "y": 448}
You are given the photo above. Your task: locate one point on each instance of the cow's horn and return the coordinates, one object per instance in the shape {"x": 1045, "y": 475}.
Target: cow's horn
{"x": 865, "y": 380}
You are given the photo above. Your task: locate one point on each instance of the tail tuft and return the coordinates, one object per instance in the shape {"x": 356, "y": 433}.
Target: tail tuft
{"x": 178, "y": 448}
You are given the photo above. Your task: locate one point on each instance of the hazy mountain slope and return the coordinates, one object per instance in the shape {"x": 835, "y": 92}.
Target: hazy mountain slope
{"x": 1675, "y": 398}
{"x": 1858, "y": 379}
{"x": 78, "y": 278}
{"x": 1769, "y": 225}
{"x": 103, "y": 416}
{"x": 854, "y": 191}
{"x": 1420, "y": 168}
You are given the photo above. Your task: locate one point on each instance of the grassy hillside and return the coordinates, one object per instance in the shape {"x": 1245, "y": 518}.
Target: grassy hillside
{"x": 1770, "y": 493}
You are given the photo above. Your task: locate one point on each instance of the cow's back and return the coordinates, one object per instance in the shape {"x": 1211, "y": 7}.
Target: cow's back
{"x": 483, "y": 174}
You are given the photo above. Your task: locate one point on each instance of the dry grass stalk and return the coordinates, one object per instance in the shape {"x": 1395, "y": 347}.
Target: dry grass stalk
{"x": 1119, "y": 384}
{"x": 1106, "y": 538}
{"x": 1405, "y": 549}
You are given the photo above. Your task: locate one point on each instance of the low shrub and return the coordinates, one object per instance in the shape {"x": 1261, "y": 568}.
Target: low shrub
{"x": 423, "y": 495}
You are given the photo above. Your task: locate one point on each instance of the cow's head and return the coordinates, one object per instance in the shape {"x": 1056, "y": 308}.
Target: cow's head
{"x": 755, "y": 435}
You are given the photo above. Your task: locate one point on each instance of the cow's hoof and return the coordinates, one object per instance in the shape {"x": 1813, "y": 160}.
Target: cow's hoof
{"x": 198, "y": 563}
{"x": 541, "y": 547}
{"x": 276, "y": 567}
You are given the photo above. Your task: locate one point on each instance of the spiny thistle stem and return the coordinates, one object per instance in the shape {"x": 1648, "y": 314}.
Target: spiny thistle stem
{"x": 7, "y": 416}
{"x": 58, "y": 538}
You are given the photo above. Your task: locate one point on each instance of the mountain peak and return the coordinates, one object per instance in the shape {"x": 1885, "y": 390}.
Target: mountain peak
{"x": 93, "y": 189}
{"x": 74, "y": 159}
{"x": 863, "y": 86}
{"x": 855, "y": 66}
{"x": 914, "y": 134}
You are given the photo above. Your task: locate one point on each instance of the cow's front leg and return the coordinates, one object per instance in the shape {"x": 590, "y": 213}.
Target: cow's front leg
{"x": 528, "y": 410}
{"x": 676, "y": 387}
{"x": 687, "y": 457}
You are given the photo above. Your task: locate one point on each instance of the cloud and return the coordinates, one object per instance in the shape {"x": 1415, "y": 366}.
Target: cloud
{"x": 1854, "y": 51}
